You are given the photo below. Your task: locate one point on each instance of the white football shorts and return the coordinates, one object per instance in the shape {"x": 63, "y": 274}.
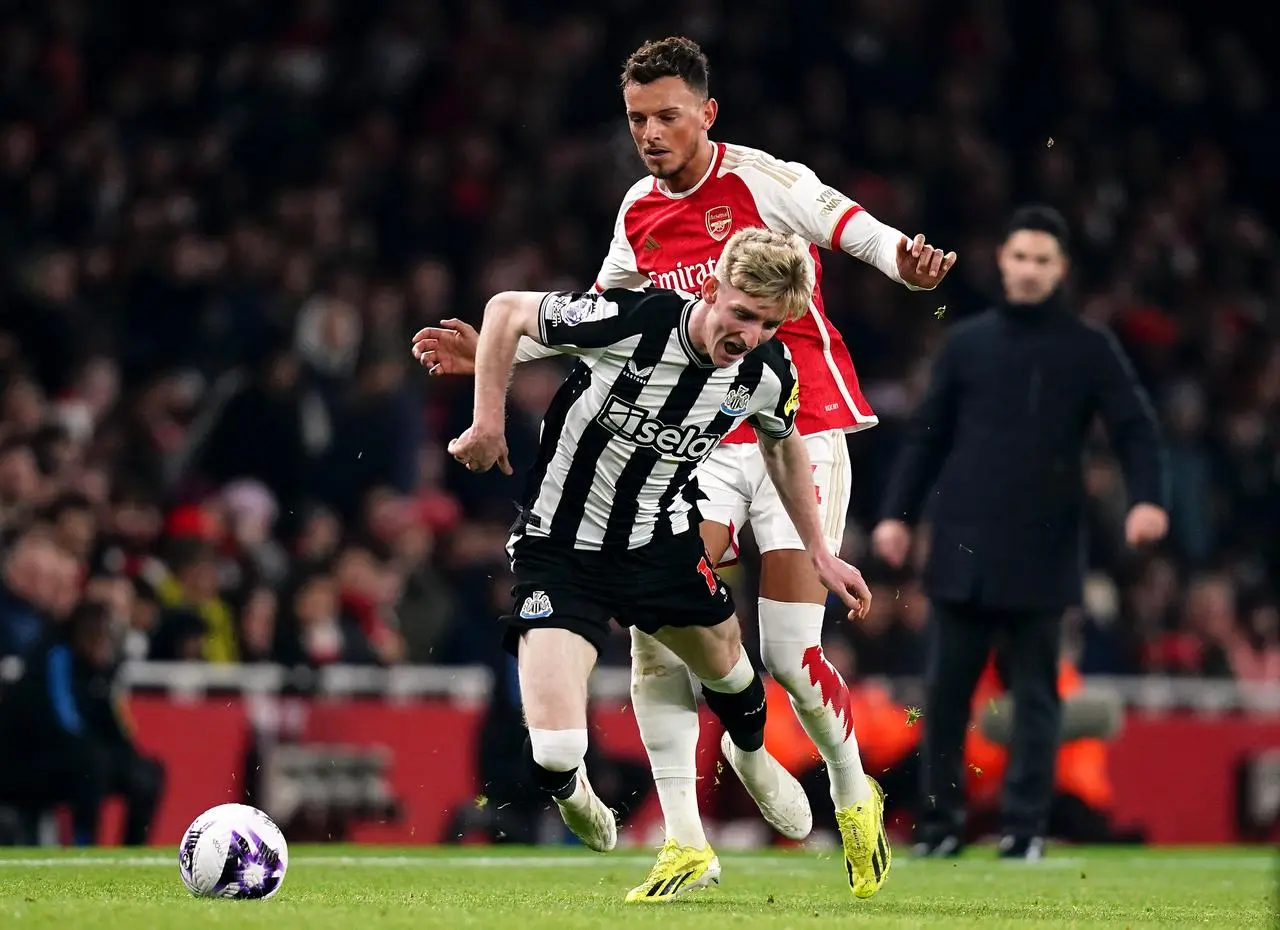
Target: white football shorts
{"x": 739, "y": 491}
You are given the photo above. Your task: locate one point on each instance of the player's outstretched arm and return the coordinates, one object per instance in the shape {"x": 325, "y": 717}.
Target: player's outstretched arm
{"x": 917, "y": 263}
{"x": 787, "y": 462}
{"x": 507, "y": 317}
{"x": 791, "y": 197}
{"x": 450, "y": 348}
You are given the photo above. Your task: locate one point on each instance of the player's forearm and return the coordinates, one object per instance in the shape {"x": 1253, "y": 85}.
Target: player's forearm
{"x": 788, "y": 465}
{"x": 869, "y": 240}
{"x": 495, "y": 355}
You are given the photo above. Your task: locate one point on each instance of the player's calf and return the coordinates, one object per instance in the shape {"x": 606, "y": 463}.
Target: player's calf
{"x": 791, "y": 647}
{"x": 554, "y": 665}
{"x": 738, "y": 701}
{"x": 665, "y": 703}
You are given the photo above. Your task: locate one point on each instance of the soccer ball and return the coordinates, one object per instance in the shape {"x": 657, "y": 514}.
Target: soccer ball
{"x": 233, "y": 851}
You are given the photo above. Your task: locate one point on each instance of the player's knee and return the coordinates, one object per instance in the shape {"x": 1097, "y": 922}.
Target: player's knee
{"x": 782, "y": 662}
{"x": 791, "y": 649}
{"x": 558, "y": 750}
{"x": 800, "y": 669}
{"x": 720, "y": 650}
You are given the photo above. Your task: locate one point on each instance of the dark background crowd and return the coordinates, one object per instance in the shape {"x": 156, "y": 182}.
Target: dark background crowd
{"x": 221, "y": 221}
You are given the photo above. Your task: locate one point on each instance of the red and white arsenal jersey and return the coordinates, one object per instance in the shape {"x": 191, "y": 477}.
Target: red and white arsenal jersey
{"x": 674, "y": 240}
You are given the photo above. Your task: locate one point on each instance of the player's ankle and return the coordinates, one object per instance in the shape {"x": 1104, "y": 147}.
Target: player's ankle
{"x": 849, "y": 785}
{"x": 678, "y": 796}
{"x": 757, "y": 767}
{"x": 578, "y": 797}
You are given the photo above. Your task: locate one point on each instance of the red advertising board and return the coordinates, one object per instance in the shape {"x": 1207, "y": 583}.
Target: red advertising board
{"x": 1174, "y": 775}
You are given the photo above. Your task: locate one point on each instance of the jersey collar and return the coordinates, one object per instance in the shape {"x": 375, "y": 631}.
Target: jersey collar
{"x": 686, "y": 343}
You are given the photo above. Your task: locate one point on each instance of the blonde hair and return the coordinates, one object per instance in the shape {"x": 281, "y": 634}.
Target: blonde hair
{"x": 769, "y": 265}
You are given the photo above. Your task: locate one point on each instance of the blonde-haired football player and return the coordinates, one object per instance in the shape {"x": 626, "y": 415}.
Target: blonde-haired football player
{"x": 670, "y": 231}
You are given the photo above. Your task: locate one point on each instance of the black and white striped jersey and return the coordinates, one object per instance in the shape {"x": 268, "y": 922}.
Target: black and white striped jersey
{"x": 637, "y": 415}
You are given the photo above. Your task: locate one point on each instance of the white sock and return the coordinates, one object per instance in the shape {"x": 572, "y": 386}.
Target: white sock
{"x": 666, "y": 708}
{"x": 563, "y": 751}
{"x": 791, "y": 646}
{"x": 754, "y": 764}
{"x": 581, "y": 798}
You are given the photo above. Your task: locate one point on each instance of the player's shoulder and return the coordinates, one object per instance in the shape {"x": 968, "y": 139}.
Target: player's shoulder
{"x": 639, "y": 192}
{"x": 759, "y": 166}
{"x": 657, "y": 306}
{"x": 773, "y": 356}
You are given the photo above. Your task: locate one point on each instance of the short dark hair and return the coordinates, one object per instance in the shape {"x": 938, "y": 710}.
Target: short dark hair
{"x": 674, "y": 56}
{"x": 1040, "y": 218}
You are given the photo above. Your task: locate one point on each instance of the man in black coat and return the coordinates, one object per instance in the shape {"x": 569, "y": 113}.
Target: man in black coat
{"x": 995, "y": 454}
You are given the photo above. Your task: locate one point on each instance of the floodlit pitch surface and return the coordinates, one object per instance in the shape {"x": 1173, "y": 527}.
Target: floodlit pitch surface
{"x": 349, "y": 888}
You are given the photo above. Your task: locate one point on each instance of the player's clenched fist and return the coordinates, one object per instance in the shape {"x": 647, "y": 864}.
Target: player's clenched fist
{"x": 480, "y": 450}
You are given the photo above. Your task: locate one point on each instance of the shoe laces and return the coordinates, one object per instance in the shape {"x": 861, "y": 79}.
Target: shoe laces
{"x": 850, "y": 829}
{"x": 668, "y": 855}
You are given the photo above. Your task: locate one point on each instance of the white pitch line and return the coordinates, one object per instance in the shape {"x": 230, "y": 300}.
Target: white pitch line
{"x": 791, "y": 863}
{"x": 381, "y": 862}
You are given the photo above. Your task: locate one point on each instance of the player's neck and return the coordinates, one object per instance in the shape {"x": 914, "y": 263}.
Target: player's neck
{"x": 693, "y": 172}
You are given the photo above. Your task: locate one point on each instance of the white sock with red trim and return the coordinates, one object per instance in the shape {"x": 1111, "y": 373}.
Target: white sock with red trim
{"x": 791, "y": 648}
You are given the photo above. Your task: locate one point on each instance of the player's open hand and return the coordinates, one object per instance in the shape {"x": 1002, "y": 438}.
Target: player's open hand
{"x": 846, "y": 582}
{"x": 480, "y": 450}
{"x": 920, "y": 264}
{"x": 447, "y": 349}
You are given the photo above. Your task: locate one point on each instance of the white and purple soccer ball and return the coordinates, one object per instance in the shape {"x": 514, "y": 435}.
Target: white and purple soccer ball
{"x": 233, "y": 851}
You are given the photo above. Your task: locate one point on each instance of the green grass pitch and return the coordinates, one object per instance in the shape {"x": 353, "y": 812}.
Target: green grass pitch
{"x": 347, "y": 888}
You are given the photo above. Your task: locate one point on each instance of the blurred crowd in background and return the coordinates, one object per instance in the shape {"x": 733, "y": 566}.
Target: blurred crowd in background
{"x": 221, "y": 221}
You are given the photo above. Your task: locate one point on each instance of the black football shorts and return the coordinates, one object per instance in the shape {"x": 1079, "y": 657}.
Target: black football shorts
{"x": 670, "y": 582}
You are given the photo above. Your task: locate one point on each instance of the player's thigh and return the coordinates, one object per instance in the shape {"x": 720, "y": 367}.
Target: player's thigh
{"x": 710, "y": 652}
{"x": 555, "y": 666}
{"x": 722, "y": 538}
{"x": 672, "y": 586}
{"x": 557, "y": 625}
{"x": 650, "y": 657}
{"x": 785, "y": 570}
{"x": 724, "y": 504}
{"x": 829, "y": 461}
